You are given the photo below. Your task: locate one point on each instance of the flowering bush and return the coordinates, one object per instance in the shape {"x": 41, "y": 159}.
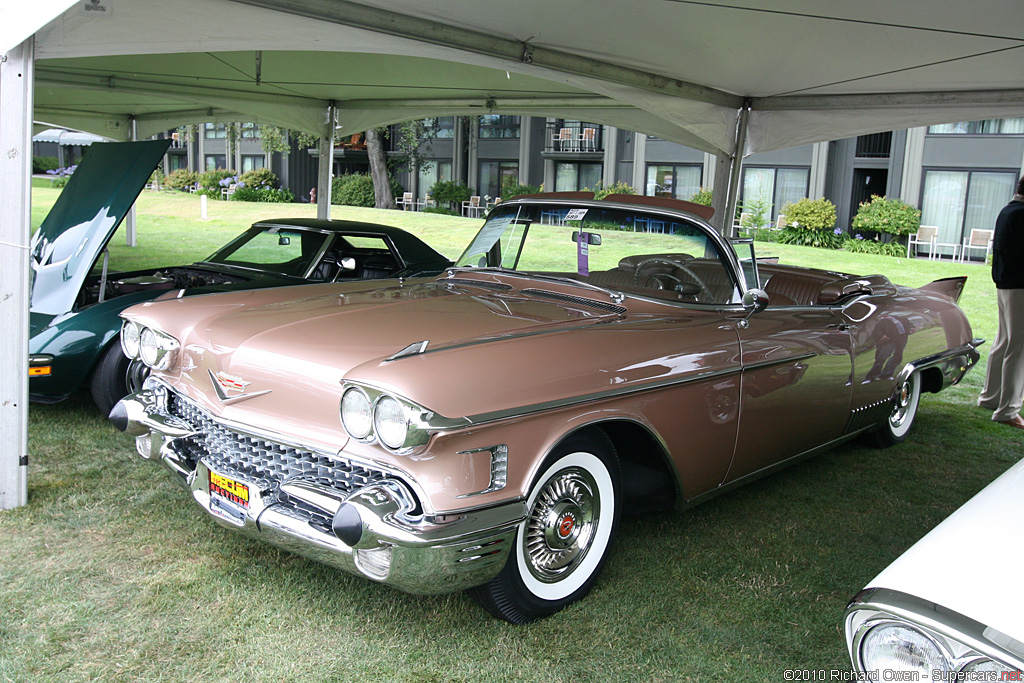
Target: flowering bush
{"x": 891, "y": 216}
{"x": 259, "y": 178}
{"x": 61, "y": 176}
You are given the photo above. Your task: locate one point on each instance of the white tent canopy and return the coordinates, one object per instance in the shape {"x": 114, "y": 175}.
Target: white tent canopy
{"x": 722, "y": 76}
{"x": 678, "y": 69}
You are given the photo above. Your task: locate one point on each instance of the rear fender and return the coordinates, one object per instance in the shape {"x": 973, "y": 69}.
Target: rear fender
{"x": 952, "y": 287}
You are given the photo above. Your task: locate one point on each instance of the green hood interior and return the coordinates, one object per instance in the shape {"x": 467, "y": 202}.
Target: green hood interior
{"x": 85, "y": 216}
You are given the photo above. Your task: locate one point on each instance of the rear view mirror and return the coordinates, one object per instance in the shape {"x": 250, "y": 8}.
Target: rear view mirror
{"x": 347, "y": 263}
{"x": 592, "y": 237}
{"x": 284, "y": 240}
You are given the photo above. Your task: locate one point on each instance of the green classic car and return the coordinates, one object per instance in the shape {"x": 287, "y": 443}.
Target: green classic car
{"x": 76, "y": 299}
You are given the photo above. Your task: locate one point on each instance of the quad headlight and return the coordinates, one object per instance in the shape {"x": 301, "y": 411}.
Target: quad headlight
{"x": 369, "y": 414}
{"x": 892, "y": 646}
{"x": 156, "y": 349}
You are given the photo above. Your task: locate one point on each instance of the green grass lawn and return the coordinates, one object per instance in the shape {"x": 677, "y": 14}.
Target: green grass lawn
{"x": 111, "y": 572}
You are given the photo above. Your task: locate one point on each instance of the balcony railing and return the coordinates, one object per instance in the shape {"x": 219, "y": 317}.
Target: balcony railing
{"x": 874, "y": 146}
{"x": 574, "y": 137}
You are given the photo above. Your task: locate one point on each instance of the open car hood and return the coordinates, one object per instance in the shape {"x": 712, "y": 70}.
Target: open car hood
{"x": 84, "y": 218}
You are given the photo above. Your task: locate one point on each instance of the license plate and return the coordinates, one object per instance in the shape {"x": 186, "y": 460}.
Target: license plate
{"x": 228, "y": 490}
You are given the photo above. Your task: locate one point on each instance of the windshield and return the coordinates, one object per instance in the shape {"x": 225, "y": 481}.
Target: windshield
{"x": 627, "y": 250}
{"x": 285, "y": 251}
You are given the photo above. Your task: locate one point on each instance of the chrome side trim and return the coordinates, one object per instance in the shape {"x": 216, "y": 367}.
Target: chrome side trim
{"x": 962, "y": 639}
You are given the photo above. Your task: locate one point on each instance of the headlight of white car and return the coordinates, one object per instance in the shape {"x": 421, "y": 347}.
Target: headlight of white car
{"x": 895, "y": 646}
{"x": 398, "y": 424}
{"x": 891, "y": 631}
{"x": 158, "y": 350}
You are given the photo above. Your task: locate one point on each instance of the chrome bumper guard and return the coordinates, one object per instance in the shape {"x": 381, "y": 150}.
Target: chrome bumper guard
{"x": 386, "y": 542}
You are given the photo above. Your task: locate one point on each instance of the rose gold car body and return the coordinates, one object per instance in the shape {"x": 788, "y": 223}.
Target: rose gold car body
{"x": 708, "y": 395}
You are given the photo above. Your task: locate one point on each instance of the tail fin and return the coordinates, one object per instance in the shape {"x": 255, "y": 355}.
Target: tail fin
{"x": 952, "y": 287}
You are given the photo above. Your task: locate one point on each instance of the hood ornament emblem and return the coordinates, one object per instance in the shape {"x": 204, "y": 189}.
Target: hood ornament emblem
{"x": 224, "y": 383}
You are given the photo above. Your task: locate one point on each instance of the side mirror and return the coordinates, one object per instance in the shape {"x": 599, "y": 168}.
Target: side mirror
{"x": 347, "y": 263}
{"x": 754, "y": 301}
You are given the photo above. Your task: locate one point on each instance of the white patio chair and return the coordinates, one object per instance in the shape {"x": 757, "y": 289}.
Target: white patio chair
{"x": 926, "y": 234}
{"x": 979, "y": 239}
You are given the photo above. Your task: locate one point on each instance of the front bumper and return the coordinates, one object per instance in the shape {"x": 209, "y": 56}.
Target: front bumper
{"x": 308, "y": 509}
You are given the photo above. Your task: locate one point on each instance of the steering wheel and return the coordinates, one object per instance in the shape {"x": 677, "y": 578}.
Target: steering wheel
{"x": 687, "y": 288}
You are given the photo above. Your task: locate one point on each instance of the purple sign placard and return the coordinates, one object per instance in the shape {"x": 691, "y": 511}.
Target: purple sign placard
{"x": 583, "y": 254}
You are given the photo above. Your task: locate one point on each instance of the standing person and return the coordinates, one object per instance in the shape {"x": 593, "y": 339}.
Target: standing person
{"x": 1004, "y": 379}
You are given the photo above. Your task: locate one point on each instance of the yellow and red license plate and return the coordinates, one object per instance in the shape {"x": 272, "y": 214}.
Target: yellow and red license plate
{"x": 233, "y": 491}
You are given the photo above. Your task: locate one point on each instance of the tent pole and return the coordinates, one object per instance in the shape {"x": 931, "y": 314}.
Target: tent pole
{"x": 130, "y": 235}
{"x": 325, "y": 167}
{"x": 16, "y": 84}
{"x": 734, "y": 174}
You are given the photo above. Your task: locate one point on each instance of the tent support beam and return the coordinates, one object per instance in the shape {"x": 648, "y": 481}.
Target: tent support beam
{"x": 16, "y": 84}
{"x": 734, "y": 173}
{"x": 325, "y": 166}
{"x": 389, "y": 23}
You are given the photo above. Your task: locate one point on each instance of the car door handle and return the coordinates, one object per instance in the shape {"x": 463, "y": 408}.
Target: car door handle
{"x": 841, "y": 327}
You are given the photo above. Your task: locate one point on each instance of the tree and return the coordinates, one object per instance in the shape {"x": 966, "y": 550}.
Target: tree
{"x": 379, "y": 170}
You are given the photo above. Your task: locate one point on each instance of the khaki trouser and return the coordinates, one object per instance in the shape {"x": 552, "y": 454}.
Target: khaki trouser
{"x": 1004, "y": 378}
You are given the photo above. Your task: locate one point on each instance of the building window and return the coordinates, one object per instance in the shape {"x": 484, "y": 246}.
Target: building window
{"x": 496, "y": 175}
{"x": 959, "y": 201}
{"x": 253, "y": 161}
{"x": 442, "y": 127}
{"x": 573, "y": 176}
{"x": 677, "y": 182}
{"x": 770, "y": 189}
{"x": 431, "y": 173}
{"x": 215, "y": 161}
{"x": 177, "y": 161}
{"x": 499, "y": 126}
{"x": 986, "y": 127}
{"x": 249, "y": 131}
{"x": 215, "y": 131}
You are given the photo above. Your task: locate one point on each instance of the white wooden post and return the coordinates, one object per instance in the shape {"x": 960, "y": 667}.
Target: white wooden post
{"x": 16, "y": 83}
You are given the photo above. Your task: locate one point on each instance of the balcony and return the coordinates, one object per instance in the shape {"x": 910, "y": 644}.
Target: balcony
{"x": 573, "y": 139}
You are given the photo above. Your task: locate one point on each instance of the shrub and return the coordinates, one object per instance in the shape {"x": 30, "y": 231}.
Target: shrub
{"x": 181, "y": 179}
{"x": 451, "y": 194}
{"x": 262, "y": 194}
{"x": 811, "y": 223}
{"x": 620, "y": 187}
{"x": 510, "y": 190}
{"x": 259, "y": 178}
{"x": 702, "y": 196}
{"x": 859, "y": 245}
{"x": 809, "y": 237}
{"x": 211, "y": 182}
{"x": 812, "y": 214}
{"x": 44, "y": 164}
{"x": 891, "y": 216}
{"x": 356, "y": 189}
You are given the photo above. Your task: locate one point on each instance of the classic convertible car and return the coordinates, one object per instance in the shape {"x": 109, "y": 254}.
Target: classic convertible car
{"x": 484, "y": 429}
{"x": 76, "y": 299}
{"x": 949, "y": 608}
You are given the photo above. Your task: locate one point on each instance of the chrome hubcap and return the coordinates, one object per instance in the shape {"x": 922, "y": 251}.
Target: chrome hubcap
{"x": 561, "y": 526}
{"x": 902, "y": 408}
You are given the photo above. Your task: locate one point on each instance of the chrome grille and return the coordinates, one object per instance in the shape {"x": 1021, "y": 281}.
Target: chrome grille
{"x": 261, "y": 461}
